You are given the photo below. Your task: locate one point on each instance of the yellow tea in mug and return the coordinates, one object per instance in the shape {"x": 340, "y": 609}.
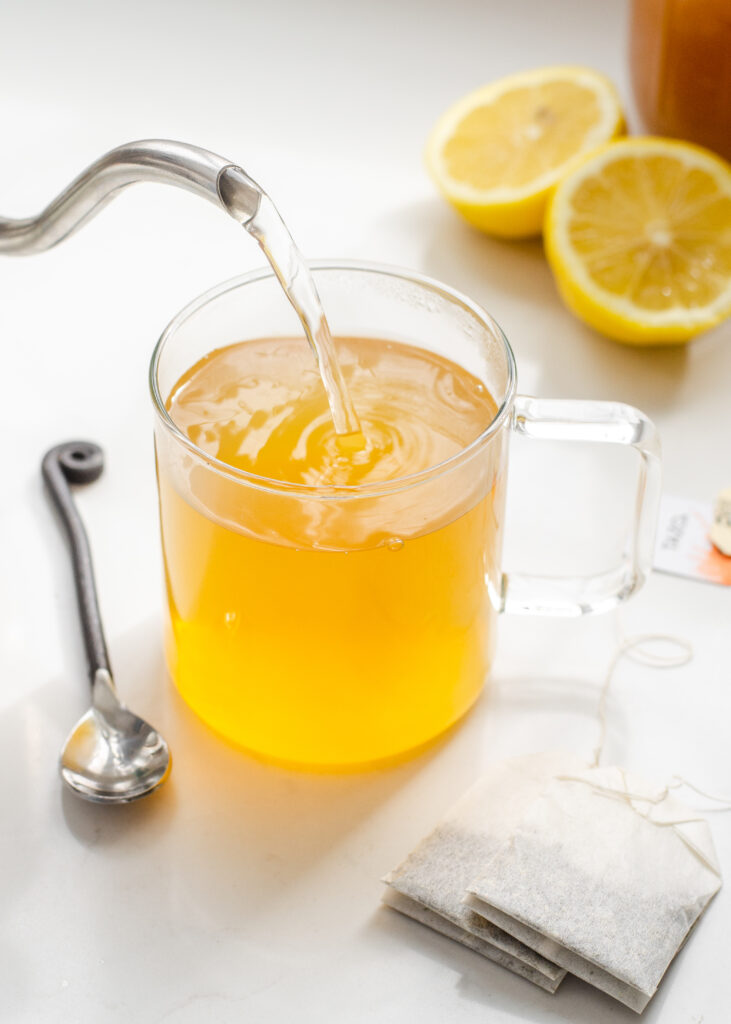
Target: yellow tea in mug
{"x": 331, "y": 612}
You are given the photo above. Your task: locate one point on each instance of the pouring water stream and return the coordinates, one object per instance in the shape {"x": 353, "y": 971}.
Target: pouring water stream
{"x": 275, "y": 241}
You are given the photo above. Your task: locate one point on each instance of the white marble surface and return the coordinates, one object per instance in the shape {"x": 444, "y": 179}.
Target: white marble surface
{"x": 244, "y": 892}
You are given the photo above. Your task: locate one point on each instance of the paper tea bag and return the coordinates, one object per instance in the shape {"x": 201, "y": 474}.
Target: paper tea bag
{"x": 606, "y": 876}
{"x": 431, "y": 883}
{"x": 442, "y": 925}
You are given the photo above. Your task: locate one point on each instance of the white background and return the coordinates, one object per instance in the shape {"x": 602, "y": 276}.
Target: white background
{"x": 243, "y": 892}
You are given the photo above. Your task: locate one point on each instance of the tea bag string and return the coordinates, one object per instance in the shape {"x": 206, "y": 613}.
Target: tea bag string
{"x": 635, "y": 800}
{"x": 636, "y": 648}
{"x": 676, "y": 782}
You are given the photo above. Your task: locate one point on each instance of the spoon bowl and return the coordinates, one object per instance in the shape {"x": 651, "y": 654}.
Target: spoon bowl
{"x": 112, "y": 755}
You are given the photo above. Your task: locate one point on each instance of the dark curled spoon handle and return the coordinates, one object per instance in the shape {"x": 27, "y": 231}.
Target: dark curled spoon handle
{"x": 79, "y": 462}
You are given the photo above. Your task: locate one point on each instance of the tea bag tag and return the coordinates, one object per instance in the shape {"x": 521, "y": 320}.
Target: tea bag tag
{"x": 720, "y": 531}
{"x": 694, "y": 538}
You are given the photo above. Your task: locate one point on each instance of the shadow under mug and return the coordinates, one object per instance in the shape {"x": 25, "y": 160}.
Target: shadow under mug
{"x": 339, "y": 626}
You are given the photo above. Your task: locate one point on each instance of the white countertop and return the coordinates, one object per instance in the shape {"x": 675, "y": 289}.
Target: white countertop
{"x": 244, "y": 892}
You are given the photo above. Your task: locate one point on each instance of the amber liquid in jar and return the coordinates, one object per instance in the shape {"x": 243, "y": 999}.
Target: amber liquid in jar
{"x": 680, "y": 61}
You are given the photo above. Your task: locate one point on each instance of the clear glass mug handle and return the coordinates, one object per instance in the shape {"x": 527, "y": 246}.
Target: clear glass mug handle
{"x": 605, "y": 423}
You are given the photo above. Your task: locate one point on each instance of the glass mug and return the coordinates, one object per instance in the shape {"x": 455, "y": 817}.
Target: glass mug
{"x": 339, "y": 626}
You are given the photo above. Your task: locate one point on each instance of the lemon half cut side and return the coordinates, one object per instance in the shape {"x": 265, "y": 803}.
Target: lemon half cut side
{"x": 639, "y": 240}
{"x": 497, "y": 153}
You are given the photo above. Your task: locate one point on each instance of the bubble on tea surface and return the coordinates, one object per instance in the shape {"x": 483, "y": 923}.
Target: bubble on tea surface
{"x": 394, "y": 543}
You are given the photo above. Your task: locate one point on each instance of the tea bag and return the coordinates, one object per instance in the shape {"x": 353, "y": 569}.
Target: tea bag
{"x": 604, "y": 875}
{"x": 550, "y": 980}
{"x": 430, "y": 884}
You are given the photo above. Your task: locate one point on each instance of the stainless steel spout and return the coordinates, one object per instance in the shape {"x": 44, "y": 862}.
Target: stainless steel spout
{"x": 172, "y": 163}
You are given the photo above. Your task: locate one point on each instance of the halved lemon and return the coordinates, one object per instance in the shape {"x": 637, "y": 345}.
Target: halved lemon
{"x": 498, "y": 152}
{"x": 639, "y": 240}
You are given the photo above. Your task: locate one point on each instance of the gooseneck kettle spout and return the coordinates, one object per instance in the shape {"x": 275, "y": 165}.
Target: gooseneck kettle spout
{"x": 173, "y": 163}
{"x": 225, "y": 185}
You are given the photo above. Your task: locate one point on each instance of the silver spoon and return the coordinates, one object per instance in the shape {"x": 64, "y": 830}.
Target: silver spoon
{"x": 111, "y": 756}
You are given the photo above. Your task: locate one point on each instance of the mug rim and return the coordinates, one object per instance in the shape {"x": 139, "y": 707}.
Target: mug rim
{"x": 330, "y": 491}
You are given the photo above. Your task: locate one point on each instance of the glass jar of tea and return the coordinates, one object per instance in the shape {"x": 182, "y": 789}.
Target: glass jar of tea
{"x": 680, "y": 61}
